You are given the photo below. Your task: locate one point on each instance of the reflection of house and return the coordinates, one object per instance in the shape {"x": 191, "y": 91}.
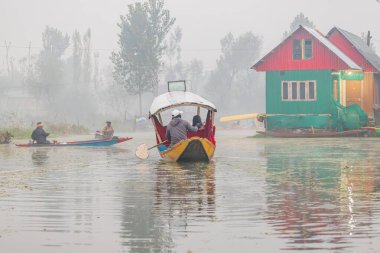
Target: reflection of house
{"x": 365, "y": 92}
{"x": 304, "y": 74}
{"x": 319, "y": 202}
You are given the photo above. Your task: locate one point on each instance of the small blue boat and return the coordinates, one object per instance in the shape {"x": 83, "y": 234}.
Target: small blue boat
{"x": 88, "y": 143}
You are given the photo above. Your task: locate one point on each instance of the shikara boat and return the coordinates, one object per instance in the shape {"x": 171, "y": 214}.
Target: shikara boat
{"x": 312, "y": 133}
{"x": 88, "y": 143}
{"x": 199, "y": 146}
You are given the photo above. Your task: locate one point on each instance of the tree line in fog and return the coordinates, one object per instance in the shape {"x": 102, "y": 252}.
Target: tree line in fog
{"x": 66, "y": 81}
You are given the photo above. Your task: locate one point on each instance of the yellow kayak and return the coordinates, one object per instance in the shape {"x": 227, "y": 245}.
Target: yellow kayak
{"x": 238, "y": 117}
{"x": 192, "y": 149}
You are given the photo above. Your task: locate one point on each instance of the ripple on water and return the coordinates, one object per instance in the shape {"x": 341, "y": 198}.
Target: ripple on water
{"x": 268, "y": 194}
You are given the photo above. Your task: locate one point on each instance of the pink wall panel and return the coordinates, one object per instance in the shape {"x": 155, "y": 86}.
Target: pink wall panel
{"x": 281, "y": 58}
{"x": 346, "y": 47}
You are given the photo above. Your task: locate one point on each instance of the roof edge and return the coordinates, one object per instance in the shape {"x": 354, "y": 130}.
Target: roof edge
{"x": 282, "y": 42}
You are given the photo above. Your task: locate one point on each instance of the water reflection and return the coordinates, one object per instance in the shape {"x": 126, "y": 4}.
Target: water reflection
{"x": 167, "y": 204}
{"x": 320, "y": 196}
{"x": 39, "y": 157}
{"x": 185, "y": 187}
{"x": 266, "y": 194}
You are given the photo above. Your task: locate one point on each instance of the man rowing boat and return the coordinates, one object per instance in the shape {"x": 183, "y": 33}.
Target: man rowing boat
{"x": 39, "y": 135}
{"x": 177, "y": 128}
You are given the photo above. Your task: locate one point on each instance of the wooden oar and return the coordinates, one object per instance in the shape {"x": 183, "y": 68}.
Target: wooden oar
{"x": 142, "y": 151}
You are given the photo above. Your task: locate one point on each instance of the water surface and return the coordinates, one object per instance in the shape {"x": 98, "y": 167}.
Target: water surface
{"x": 257, "y": 195}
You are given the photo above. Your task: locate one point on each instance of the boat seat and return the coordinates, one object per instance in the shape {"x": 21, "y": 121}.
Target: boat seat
{"x": 162, "y": 148}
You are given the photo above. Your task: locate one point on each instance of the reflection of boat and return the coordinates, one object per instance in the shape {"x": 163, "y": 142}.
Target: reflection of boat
{"x": 39, "y": 157}
{"x": 88, "y": 143}
{"x": 199, "y": 146}
{"x": 192, "y": 183}
{"x": 310, "y": 133}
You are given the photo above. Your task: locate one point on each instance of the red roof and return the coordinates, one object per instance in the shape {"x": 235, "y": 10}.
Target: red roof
{"x": 325, "y": 55}
{"x": 355, "y": 48}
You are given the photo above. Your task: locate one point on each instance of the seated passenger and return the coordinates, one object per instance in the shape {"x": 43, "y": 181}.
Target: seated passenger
{"x": 108, "y": 131}
{"x": 197, "y": 121}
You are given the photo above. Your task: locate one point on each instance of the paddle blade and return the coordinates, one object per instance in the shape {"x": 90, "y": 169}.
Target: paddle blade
{"x": 142, "y": 151}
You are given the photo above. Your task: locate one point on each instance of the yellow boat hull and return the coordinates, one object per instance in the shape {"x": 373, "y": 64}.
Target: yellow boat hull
{"x": 193, "y": 149}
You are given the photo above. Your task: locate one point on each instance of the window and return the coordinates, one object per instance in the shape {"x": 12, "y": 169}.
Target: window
{"x": 294, "y": 90}
{"x": 311, "y": 90}
{"x": 377, "y": 92}
{"x": 285, "y": 91}
{"x": 302, "y": 49}
{"x": 302, "y": 91}
{"x": 298, "y": 91}
{"x": 297, "y": 50}
{"x": 308, "y": 49}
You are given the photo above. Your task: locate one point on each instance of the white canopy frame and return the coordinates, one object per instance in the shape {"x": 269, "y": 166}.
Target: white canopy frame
{"x": 174, "y": 99}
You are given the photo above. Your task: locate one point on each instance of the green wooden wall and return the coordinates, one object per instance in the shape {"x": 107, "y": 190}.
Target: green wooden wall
{"x": 274, "y": 104}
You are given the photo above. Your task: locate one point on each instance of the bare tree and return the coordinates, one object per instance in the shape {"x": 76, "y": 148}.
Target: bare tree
{"x": 87, "y": 58}
{"x": 233, "y": 81}
{"x": 50, "y": 64}
{"x": 7, "y": 48}
{"x": 77, "y": 57}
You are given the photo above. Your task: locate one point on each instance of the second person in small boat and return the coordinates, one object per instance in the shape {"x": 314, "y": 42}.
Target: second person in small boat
{"x": 177, "y": 128}
{"x": 108, "y": 131}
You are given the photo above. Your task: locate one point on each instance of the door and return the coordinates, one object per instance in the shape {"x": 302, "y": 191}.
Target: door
{"x": 336, "y": 90}
{"x": 353, "y": 92}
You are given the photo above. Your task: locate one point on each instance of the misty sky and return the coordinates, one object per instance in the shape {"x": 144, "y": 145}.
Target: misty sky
{"x": 203, "y": 22}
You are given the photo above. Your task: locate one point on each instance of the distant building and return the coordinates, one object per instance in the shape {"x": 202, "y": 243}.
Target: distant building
{"x": 308, "y": 78}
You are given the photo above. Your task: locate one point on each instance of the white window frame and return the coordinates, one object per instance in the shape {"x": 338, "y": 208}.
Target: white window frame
{"x": 303, "y": 50}
{"x": 290, "y": 93}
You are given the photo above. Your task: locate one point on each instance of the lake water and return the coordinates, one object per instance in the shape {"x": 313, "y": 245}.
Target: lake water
{"x": 257, "y": 195}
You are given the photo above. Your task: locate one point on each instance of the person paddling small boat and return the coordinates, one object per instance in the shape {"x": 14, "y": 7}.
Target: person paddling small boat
{"x": 39, "y": 135}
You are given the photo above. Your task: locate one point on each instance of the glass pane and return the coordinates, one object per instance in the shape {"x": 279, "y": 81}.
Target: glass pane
{"x": 297, "y": 50}
{"x": 285, "y": 91}
{"x": 311, "y": 90}
{"x": 308, "y": 54}
{"x": 302, "y": 90}
{"x": 294, "y": 90}
{"x": 177, "y": 85}
{"x": 336, "y": 90}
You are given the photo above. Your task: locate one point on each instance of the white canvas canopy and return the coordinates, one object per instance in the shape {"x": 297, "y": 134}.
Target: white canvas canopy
{"x": 178, "y": 98}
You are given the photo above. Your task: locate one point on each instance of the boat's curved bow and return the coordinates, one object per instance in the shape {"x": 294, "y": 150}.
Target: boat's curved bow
{"x": 192, "y": 149}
